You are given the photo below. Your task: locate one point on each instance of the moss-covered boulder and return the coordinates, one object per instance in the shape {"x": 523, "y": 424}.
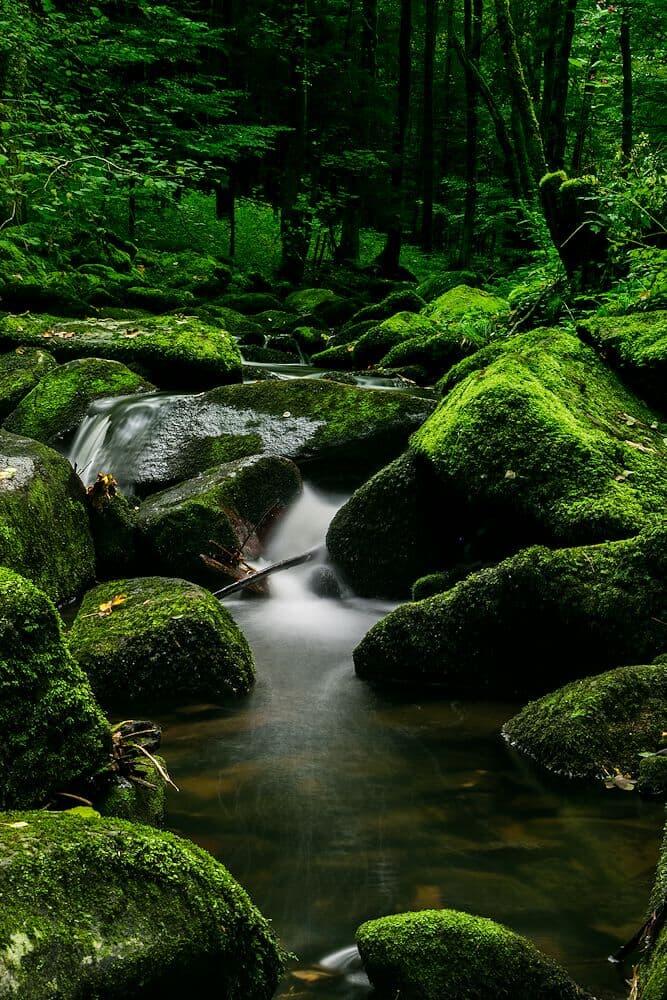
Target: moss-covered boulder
{"x": 113, "y": 525}
{"x": 310, "y": 339}
{"x": 653, "y": 966}
{"x": 538, "y": 619}
{"x": 463, "y": 302}
{"x": 97, "y": 907}
{"x": 249, "y": 303}
{"x": 637, "y": 346}
{"x": 141, "y": 801}
{"x": 437, "y": 284}
{"x": 652, "y": 782}
{"x": 58, "y": 404}
{"x": 53, "y": 732}
{"x": 402, "y": 300}
{"x": 20, "y": 371}
{"x": 219, "y": 508}
{"x": 339, "y": 357}
{"x": 435, "y": 352}
{"x": 597, "y": 726}
{"x": 247, "y": 330}
{"x": 448, "y": 955}
{"x": 172, "y": 351}
{"x": 321, "y": 303}
{"x": 44, "y": 532}
{"x": 162, "y": 639}
{"x": 375, "y": 344}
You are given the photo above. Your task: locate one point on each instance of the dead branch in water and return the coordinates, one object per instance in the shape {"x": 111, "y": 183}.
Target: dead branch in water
{"x": 254, "y": 578}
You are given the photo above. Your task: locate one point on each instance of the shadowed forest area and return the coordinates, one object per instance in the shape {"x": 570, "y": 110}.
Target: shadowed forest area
{"x": 333, "y": 493}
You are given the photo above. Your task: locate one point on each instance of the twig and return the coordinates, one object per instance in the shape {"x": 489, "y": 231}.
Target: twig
{"x": 156, "y": 764}
{"x": 261, "y": 574}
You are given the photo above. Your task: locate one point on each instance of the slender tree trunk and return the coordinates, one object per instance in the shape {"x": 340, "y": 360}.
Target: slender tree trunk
{"x": 519, "y": 140}
{"x": 626, "y": 55}
{"x": 428, "y": 158}
{"x": 556, "y": 124}
{"x": 294, "y": 229}
{"x": 586, "y": 105}
{"x": 447, "y": 91}
{"x": 473, "y": 10}
{"x": 550, "y": 30}
{"x": 132, "y": 210}
{"x": 369, "y": 37}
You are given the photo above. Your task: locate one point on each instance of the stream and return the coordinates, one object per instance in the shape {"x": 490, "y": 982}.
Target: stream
{"x": 332, "y": 802}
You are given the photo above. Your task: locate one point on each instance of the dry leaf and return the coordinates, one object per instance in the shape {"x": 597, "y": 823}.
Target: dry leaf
{"x": 640, "y": 447}
{"x": 107, "y": 607}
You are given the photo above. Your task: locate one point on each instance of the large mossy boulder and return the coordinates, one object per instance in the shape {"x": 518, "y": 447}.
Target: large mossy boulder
{"x": 437, "y": 284}
{"x": 222, "y": 509}
{"x": 436, "y": 352}
{"x": 57, "y": 405}
{"x": 653, "y": 966}
{"x": 20, "y": 371}
{"x": 44, "y": 531}
{"x": 53, "y": 732}
{"x": 448, "y": 955}
{"x": 374, "y": 345}
{"x": 399, "y": 301}
{"x": 172, "y": 351}
{"x": 637, "y": 346}
{"x": 155, "y": 639}
{"x": 104, "y": 908}
{"x": 465, "y": 303}
{"x": 595, "y": 727}
{"x": 537, "y": 620}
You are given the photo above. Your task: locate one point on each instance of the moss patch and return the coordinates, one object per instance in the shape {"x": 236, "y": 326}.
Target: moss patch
{"x": 593, "y": 727}
{"x": 20, "y": 371}
{"x": 168, "y": 640}
{"x": 534, "y": 621}
{"x": 53, "y": 732}
{"x": 464, "y": 302}
{"x": 102, "y": 907}
{"x": 653, "y": 968}
{"x": 173, "y": 351}
{"x": 141, "y": 803}
{"x": 375, "y": 344}
{"x": 44, "y": 532}
{"x": 58, "y": 404}
{"x": 443, "y": 953}
{"x": 435, "y": 353}
{"x": 637, "y": 346}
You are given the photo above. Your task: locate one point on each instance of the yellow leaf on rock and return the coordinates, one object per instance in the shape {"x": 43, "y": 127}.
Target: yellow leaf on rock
{"x": 108, "y": 606}
{"x": 7, "y": 473}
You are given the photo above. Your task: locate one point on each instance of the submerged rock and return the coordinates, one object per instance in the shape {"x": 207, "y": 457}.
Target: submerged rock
{"x": 58, "y": 404}
{"x": 220, "y": 509}
{"x": 44, "y": 532}
{"x": 173, "y": 351}
{"x": 448, "y": 955}
{"x": 103, "y": 908}
{"x": 637, "y": 346}
{"x": 536, "y": 620}
{"x": 164, "y": 640}
{"x": 53, "y": 731}
{"x": 20, "y": 371}
{"x": 597, "y": 726}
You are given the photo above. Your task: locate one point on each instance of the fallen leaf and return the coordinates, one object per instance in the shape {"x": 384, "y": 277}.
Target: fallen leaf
{"x": 510, "y": 474}
{"x": 638, "y": 446}
{"x": 108, "y": 606}
{"x": 7, "y": 473}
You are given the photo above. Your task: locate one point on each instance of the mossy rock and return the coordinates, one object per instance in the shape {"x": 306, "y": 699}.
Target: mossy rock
{"x": 58, "y": 404}
{"x": 435, "y": 353}
{"x": 284, "y": 343}
{"x": 402, "y": 300}
{"x": 637, "y": 346}
{"x": 104, "y": 908}
{"x": 351, "y": 332}
{"x": 249, "y": 303}
{"x": 20, "y": 371}
{"x": 593, "y": 727}
{"x": 44, "y": 532}
{"x": 443, "y": 954}
{"x": 269, "y": 356}
{"x": 374, "y": 345}
{"x": 167, "y": 640}
{"x": 157, "y": 300}
{"x": 234, "y": 322}
{"x": 53, "y": 732}
{"x": 308, "y": 300}
{"x": 339, "y": 357}
{"x": 221, "y": 507}
{"x": 277, "y": 321}
{"x": 310, "y": 339}
{"x": 141, "y": 801}
{"x": 652, "y": 783}
{"x": 113, "y": 525}
{"x": 200, "y": 275}
{"x": 462, "y": 301}
{"x": 653, "y": 965}
{"x": 438, "y": 284}
{"x": 173, "y": 351}
{"x": 537, "y": 620}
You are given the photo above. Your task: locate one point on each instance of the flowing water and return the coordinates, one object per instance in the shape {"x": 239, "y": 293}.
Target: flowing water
{"x": 332, "y": 802}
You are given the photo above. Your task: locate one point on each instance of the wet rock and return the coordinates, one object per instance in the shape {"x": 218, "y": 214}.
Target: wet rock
{"x": 166, "y": 640}
{"x": 597, "y": 726}
{"x": 20, "y": 371}
{"x": 44, "y": 532}
{"x": 537, "y": 620}
{"x": 172, "y": 351}
{"x": 438, "y": 954}
{"x": 637, "y": 346}
{"x": 323, "y": 582}
{"x": 217, "y": 509}
{"x": 104, "y": 908}
{"x": 53, "y": 731}
{"x": 58, "y": 404}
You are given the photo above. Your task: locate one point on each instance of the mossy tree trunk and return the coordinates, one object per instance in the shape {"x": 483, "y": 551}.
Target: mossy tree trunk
{"x": 427, "y": 152}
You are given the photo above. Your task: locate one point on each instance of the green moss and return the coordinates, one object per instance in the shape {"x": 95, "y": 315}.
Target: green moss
{"x": 249, "y": 303}
{"x": 653, "y": 967}
{"x": 20, "y": 371}
{"x": 169, "y": 640}
{"x": 340, "y": 357}
{"x": 536, "y": 620}
{"x": 310, "y": 339}
{"x": 157, "y": 300}
{"x": 173, "y": 351}
{"x": 594, "y": 726}
{"x": 44, "y": 531}
{"x": 114, "y": 529}
{"x": 268, "y": 356}
{"x": 434, "y": 954}
{"x": 375, "y": 344}
{"x": 463, "y": 301}
{"x": 400, "y": 301}
{"x": 436, "y": 353}
{"x": 437, "y": 284}
{"x": 278, "y": 321}
{"x": 104, "y": 908}
{"x": 141, "y": 802}
{"x": 543, "y": 437}
{"x": 220, "y": 506}
{"x": 53, "y": 732}
{"x": 310, "y": 300}
{"x": 58, "y": 404}
{"x": 199, "y": 275}
{"x": 637, "y": 346}
{"x": 653, "y": 775}
{"x": 247, "y": 330}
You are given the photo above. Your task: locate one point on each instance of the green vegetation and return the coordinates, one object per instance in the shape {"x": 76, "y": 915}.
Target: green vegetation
{"x": 166, "y": 640}
{"x": 20, "y": 371}
{"x": 653, "y": 968}
{"x": 637, "y": 346}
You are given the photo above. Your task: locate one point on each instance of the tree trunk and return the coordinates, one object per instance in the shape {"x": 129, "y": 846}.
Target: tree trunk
{"x": 369, "y": 37}
{"x": 556, "y": 123}
{"x": 294, "y": 228}
{"x": 626, "y": 55}
{"x": 473, "y": 10}
{"x": 427, "y": 152}
{"x": 586, "y": 105}
{"x": 447, "y": 91}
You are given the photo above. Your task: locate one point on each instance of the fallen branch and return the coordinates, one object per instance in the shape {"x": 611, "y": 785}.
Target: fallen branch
{"x": 253, "y": 578}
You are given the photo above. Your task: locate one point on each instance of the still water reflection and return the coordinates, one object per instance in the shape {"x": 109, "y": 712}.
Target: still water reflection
{"x": 332, "y": 802}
